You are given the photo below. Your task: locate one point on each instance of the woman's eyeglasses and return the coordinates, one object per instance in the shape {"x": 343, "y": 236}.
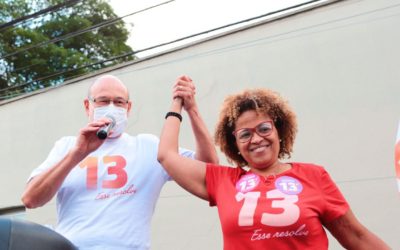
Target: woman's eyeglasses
{"x": 245, "y": 134}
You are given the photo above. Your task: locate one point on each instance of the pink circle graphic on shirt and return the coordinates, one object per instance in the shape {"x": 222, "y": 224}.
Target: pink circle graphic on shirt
{"x": 247, "y": 183}
{"x": 288, "y": 185}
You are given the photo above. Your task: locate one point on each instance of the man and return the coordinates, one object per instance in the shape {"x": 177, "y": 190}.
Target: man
{"x": 107, "y": 189}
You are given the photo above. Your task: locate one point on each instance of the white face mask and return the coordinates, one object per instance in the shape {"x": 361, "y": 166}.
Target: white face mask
{"x": 120, "y": 115}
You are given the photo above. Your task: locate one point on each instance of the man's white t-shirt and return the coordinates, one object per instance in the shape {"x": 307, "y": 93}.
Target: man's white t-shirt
{"x": 107, "y": 201}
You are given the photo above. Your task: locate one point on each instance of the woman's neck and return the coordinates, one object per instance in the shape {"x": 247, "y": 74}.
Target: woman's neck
{"x": 274, "y": 169}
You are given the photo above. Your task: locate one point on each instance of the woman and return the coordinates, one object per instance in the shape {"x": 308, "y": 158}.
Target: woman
{"x": 264, "y": 202}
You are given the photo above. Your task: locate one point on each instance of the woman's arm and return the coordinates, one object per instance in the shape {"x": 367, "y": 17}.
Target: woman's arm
{"x": 205, "y": 149}
{"x": 351, "y": 234}
{"x": 188, "y": 173}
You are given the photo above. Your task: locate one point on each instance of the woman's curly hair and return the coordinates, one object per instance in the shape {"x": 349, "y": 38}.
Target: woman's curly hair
{"x": 263, "y": 101}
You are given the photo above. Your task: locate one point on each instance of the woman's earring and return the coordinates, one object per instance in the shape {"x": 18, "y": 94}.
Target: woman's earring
{"x": 239, "y": 153}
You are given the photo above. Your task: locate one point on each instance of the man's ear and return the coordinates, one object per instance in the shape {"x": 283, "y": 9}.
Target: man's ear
{"x": 86, "y": 105}
{"x": 130, "y": 104}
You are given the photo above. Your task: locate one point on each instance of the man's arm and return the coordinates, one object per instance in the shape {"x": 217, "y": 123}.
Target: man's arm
{"x": 42, "y": 188}
{"x": 205, "y": 149}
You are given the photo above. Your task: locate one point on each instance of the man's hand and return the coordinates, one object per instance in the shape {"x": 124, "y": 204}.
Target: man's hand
{"x": 87, "y": 140}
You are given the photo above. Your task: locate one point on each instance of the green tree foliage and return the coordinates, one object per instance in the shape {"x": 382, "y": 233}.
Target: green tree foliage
{"x": 56, "y": 46}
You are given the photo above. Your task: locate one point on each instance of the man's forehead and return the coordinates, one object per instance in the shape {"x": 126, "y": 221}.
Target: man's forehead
{"x": 108, "y": 84}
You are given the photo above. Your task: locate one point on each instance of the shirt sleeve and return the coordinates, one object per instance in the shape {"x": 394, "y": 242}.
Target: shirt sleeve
{"x": 335, "y": 203}
{"x": 216, "y": 177}
{"x": 210, "y": 184}
{"x": 57, "y": 153}
{"x": 187, "y": 153}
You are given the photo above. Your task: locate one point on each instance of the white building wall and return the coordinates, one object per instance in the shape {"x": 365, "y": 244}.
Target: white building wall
{"x": 338, "y": 67}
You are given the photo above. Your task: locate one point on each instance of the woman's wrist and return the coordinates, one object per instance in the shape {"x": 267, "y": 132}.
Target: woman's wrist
{"x": 174, "y": 114}
{"x": 176, "y": 105}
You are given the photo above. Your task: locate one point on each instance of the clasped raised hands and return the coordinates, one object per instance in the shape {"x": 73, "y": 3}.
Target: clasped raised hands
{"x": 184, "y": 88}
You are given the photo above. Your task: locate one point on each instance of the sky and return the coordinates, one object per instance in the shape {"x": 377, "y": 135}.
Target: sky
{"x": 180, "y": 18}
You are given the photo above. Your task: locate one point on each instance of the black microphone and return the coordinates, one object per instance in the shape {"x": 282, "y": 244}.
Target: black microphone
{"x": 102, "y": 133}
